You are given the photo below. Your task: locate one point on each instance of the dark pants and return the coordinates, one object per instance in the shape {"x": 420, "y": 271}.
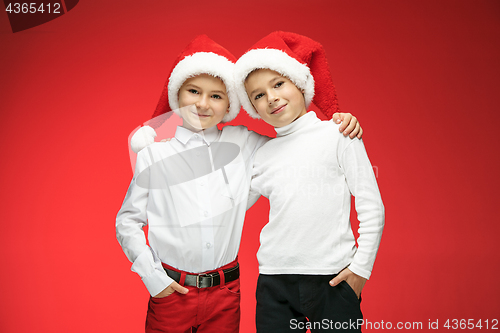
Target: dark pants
{"x": 295, "y": 303}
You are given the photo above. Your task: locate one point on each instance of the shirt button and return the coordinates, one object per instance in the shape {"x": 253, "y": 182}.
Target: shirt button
{"x": 196, "y": 136}
{"x": 205, "y": 213}
{"x": 209, "y": 245}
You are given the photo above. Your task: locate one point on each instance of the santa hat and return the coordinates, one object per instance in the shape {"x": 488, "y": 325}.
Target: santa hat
{"x": 201, "y": 56}
{"x": 297, "y": 57}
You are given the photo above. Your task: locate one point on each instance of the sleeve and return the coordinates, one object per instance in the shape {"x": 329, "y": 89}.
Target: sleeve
{"x": 130, "y": 221}
{"x": 368, "y": 202}
{"x": 253, "y": 196}
{"x": 255, "y": 141}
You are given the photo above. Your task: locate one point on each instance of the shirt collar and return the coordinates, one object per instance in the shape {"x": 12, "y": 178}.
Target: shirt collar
{"x": 208, "y": 136}
{"x": 307, "y": 119}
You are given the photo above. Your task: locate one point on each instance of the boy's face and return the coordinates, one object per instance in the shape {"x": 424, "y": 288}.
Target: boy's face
{"x": 275, "y": 98}
{"x": 209, "y": 97}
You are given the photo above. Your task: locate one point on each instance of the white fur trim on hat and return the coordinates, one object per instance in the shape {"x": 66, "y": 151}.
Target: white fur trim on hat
{"x": 204, "y": 63}
{"x": 275, "y": 60}
{"x": 142, "y": 138}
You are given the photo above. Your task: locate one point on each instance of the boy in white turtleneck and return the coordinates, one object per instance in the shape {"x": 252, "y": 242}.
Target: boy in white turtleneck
{"x": 311, "y": 272}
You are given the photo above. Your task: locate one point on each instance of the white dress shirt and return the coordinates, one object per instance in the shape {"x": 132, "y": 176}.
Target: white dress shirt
{"x": 192, "y": 192}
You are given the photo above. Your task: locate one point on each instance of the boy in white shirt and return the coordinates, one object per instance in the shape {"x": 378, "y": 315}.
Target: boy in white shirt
{"x": 193, "y": 193}
{"x": 311, "y": 272}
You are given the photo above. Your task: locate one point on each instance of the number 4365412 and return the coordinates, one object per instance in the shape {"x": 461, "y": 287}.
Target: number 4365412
{"x": 25, "y": 8}
{"x": 470, "y": 324}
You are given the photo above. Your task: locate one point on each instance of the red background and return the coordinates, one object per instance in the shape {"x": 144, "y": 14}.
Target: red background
{"x": 422, "y": 76}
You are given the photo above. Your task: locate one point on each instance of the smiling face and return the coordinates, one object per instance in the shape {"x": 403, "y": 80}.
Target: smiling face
{"x": 208, "y": 99}
{"x": 275, "y": 98}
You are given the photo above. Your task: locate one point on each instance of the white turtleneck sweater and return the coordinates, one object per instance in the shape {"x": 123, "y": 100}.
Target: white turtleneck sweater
{"x": 308, "y": 173}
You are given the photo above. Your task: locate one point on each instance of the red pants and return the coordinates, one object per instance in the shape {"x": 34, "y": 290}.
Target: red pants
{"x": 213, "y": 309}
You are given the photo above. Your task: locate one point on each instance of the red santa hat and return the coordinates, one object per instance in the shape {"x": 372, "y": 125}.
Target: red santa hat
{"x": 297, "y": 57}
{"x": 201, "y": 56}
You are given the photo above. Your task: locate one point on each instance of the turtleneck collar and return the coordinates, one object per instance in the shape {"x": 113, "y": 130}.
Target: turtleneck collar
{"x": 300, "y": 123}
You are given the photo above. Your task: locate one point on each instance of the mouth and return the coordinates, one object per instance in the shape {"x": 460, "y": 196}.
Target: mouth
{"x": 278, "y": 109}
{"x": 200, "y": 115}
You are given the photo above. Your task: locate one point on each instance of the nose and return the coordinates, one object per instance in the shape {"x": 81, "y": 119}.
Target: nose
{"x": 272, "y": 97}
{"x": 202, "y": 103}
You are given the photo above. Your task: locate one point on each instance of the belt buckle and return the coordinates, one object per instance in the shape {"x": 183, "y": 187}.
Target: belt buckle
{"x": 204, "y": 275}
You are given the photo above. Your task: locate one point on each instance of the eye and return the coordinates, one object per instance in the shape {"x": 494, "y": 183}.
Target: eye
{"x": 279, "y": 84}
{"x": 258, "y": 96}
{"x": 216, "y": 96}
{"x": 193, "y": 91}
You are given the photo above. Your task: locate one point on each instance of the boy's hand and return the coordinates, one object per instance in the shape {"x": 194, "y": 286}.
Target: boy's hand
{"x": 355, "y": 281}
{"x": 350, "y": 125}
{"x": 173, "y": 287}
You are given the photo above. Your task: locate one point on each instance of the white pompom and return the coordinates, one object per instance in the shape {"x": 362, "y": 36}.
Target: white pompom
{"x": 142, "y": 138}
